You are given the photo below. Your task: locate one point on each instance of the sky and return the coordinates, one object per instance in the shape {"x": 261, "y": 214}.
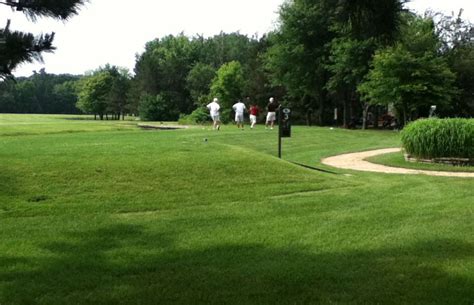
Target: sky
{"x": 99, "y": 35}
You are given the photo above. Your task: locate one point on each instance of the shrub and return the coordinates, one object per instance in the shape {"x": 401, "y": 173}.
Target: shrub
{"x": 156, "y": 108}
{"x": 439, "y": 138}
{"x": 198, "y": 116}
{"x": 226, "y": 115}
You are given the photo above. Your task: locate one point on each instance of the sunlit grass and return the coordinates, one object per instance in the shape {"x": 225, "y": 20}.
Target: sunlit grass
{"x": 165, "y": 217}
{"x": 398, "y": 160}
{"x": 26, "y": 124}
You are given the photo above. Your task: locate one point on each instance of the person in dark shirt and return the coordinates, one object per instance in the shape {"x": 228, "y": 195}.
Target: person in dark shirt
{"x": 272, "y": 108}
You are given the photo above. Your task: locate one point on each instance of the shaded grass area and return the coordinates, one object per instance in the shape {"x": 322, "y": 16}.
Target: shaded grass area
{"x": 398, "y": 160}
{"x": 240, "y": 273}
{"x": 164, "y": 217}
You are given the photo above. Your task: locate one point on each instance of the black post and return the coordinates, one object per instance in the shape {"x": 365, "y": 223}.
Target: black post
{"x": 284, "y": 126}
{"x": 279, "y": 132}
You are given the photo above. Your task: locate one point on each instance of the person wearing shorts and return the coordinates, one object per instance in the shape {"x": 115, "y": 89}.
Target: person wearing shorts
{"x": 239, "y": 109}
{"x": 272, "y": 107}
{"x": 253, "y": 114}
{"x": 214, "y": 108}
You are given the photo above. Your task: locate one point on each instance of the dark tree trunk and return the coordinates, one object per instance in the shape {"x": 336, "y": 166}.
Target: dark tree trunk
{"x": 345, "y": 111}
{"x": 376, "y": 117}
{"x": 320, "y": 114}
{"x": 309, "y": 113}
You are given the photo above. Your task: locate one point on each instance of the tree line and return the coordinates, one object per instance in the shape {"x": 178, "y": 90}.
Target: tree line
{"x": 356, "y": 59}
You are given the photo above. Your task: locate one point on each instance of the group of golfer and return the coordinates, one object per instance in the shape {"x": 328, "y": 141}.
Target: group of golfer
{"x": 240, "y": 108}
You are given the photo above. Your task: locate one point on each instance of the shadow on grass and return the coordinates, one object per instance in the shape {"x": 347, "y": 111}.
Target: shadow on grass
{"x": 125, "y": 264}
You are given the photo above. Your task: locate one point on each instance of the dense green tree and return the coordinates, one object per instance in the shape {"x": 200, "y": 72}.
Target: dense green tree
{"x": 19, "y": 47}
{"x": 257, "y": 85}
{"x": 316, "y": 40}
{"x": 227, "y": 86}
{"x": 249, "y": 52}
{"x": 26, "y": 97}
{"x": 65, "y": 96}
{"x": 349, "y": 63}
{"x": 156, "y": 108}
{"x": 457, "y": 38}
{"x": 117, "y": 99}
{"x": 163, "y": 68}
{"x": 133, "y": 96}
{"x": 370, "y": 19}
{"x": 410, "y": 75}
{"x": 298, "y": 55}
{"x": 105, "y": 92}
{"x": 226, "y": 47}
{"x": 461, "y": 62}
{"x": 198, "y": 82}
{"x": 362, "y": 27}
{"x": 94, "y": 93}
{"x": 7, "y": 97}
{"x": 42, "y": 92}
{"x": 181, "y": 68}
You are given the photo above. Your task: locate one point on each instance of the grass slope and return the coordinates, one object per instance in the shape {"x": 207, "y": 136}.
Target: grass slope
{"x": 164, "y": 217}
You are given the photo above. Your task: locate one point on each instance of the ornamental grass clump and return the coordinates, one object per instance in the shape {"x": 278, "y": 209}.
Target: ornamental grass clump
{"x": 439, "y": 138}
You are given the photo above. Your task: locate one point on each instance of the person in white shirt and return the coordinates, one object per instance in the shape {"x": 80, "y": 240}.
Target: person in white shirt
{"x": 214, "y": 112}
{"x": 239, "y": 109}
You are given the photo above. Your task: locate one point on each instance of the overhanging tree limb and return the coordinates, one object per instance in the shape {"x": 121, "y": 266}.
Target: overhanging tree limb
{"x": 18, "y": 47}
{"x": 59, "y": 9}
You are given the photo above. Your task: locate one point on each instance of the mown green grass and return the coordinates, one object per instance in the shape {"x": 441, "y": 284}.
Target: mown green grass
{"x": 164, "y": 217}
{"x": 398, "y": 160}
{"x": 23, "y": 124}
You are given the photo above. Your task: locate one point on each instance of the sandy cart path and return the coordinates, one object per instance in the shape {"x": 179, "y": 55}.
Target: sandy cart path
{"x": 355, "y": 161}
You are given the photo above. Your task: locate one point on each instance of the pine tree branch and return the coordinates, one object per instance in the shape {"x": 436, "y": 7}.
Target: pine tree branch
{"x": 58, "y": 9}
{"x": 19, "y": 47}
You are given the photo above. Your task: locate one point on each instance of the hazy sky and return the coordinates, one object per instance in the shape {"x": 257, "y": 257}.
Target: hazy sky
{"x": 99, "y": 35}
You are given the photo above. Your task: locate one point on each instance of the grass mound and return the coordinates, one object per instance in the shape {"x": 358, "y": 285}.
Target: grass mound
{"x": 439, "y": 138}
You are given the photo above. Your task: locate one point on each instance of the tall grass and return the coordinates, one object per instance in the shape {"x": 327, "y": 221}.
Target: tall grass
{"x": 439, "y": 138}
